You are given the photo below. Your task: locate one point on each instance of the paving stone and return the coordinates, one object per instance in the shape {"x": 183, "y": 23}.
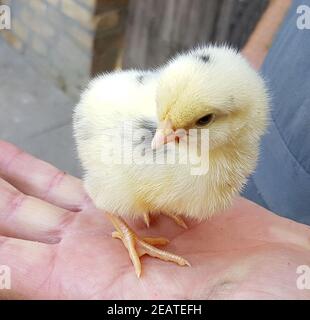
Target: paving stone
{"x": 34, "y": 114}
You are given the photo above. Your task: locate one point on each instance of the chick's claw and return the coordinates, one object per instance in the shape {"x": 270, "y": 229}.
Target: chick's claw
{"x": 177, "y": 219}
{"x": 138, "y": 247}
{"x": 147, "y": 219}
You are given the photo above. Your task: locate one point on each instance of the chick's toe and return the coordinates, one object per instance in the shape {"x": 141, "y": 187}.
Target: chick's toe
{"x": 138, "y": 247}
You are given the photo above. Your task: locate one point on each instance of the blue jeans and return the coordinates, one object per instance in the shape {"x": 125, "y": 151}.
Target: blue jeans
{"x": 281, "y": 182}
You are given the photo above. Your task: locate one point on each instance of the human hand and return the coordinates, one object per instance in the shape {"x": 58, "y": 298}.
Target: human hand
{"x": 58, "y": 246}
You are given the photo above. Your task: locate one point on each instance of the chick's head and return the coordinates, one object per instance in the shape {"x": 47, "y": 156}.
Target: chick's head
{"x": 210, "y": 88}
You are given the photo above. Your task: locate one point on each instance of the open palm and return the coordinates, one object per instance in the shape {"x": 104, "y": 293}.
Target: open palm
{"x": 58, "y": 246}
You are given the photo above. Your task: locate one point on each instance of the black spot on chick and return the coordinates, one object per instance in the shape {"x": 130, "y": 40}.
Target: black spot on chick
{"x": 140, "y": 78}
{"x": 146, "y": 124}
{"x": 147, "y": 129}
{"x": 204, "y": 58}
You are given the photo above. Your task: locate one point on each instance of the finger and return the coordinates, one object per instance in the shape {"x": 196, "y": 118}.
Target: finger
{"x": 25, "y": 217}
{"x": 40, "y": 179}
{"x": 26, "y": 266}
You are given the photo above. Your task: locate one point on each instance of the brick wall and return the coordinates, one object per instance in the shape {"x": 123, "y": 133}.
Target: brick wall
{"x": 68, "y": 40}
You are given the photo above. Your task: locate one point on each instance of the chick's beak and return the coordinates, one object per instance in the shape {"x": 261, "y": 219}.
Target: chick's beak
{"x": 164, "y": 134}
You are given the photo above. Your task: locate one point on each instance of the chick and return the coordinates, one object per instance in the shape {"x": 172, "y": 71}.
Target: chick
{"x": 210, "y": 87}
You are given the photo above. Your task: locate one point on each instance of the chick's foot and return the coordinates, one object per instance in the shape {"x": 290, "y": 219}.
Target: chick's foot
{"x": 178, "y": 220}
{"x": 138, "y": 247}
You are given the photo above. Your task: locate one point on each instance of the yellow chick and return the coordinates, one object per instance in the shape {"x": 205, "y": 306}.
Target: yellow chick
{"x": 180, "y": 140}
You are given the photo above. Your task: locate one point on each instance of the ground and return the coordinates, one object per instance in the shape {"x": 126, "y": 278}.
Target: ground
{"x": 35, "y": 114}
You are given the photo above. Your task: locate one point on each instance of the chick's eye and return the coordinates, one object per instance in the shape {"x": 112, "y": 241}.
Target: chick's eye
{"x": 205, "y": 120}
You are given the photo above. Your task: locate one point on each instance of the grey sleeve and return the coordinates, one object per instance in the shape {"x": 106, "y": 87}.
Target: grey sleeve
{"x": 281, "y": 181}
